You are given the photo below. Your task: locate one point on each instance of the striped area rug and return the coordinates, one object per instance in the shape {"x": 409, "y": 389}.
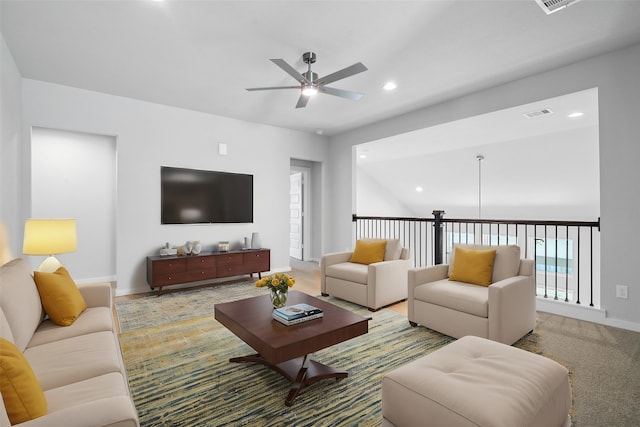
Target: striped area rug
{"x": 177, "y": 358}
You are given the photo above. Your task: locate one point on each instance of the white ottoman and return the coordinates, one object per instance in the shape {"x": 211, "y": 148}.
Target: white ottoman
{"x": 477, "y": 382}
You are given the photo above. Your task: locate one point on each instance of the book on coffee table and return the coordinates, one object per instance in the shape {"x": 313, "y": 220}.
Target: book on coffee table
{"x": 296, "y": 311}
{"x": 297, "y": 320}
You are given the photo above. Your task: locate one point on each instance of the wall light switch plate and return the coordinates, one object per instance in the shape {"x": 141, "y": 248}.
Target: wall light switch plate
{"x": 222, "y": 149}
{"x": 622, "y": 291}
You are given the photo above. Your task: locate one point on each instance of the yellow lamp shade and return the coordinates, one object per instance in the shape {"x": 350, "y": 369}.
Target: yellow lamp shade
{"x": 49, "y": 236}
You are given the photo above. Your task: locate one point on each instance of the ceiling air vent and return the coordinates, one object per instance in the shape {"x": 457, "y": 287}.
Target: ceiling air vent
{"x": 538, "y": 113}
{"x": 550, "y": 6}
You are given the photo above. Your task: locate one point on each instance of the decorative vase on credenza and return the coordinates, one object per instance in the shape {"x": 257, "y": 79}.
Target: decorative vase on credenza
{"x": 255, "y": 241}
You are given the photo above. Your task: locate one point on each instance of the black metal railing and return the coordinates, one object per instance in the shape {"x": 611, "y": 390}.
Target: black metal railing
{"x": 566, "y": 253}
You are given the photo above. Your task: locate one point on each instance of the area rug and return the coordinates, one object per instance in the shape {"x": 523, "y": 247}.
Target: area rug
{"x": 177, "y": 359}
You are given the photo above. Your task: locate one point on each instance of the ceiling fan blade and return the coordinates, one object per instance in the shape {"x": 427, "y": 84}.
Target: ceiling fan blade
{"x": 341, "y": 93}
{"x": 302, "y": 101}
{"x": 341, "y": 74}
{"x": 272, "y": 88}
{"x": 290, "y": 70}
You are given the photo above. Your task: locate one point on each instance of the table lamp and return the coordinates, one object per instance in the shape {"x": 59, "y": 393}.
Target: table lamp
{"x": 49, "y": 237}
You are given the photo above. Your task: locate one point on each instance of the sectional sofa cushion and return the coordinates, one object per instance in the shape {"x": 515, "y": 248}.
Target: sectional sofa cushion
{"x": 60, "y": 296}
{"x": 93, "y": 319}
{"x": 103, "y": 399}
{"x": 22, "y": 394}
{"x": 20, "y": 301}
{"x": 473, "y": 266}
{"x": 74, "y": 359}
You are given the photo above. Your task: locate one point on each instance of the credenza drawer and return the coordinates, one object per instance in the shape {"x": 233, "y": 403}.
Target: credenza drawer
{"x": 229, "y": 259}
{"x": 257, "y": 258}
{"x": 169, "y": 266}
{"x": 201, "y": 262}
{"x": 202, "y": 274}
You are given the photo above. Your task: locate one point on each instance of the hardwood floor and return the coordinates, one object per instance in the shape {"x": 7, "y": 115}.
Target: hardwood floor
{"x": 306, "y": 273}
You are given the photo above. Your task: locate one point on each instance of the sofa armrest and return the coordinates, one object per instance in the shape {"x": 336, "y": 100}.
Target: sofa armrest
{"x": 97, "y": 294}
{"x": 512, "y": 308}
{"x": 330, "y": 259}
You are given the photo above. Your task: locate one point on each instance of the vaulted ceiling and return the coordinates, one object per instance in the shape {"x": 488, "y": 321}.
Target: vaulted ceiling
{"x": 201, "y": 55}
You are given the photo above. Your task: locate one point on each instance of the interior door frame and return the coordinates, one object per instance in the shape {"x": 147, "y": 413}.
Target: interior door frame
{"x": 306, "y": 210}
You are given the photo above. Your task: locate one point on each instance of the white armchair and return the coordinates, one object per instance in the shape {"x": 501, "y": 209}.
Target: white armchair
{"x": 504, "y": 311}
{"x": 372, "y": 285}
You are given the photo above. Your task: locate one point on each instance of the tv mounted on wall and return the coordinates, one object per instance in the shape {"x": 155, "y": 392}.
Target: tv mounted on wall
{"x": 191, "y": 196}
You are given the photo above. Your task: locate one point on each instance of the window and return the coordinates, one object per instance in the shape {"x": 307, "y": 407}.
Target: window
{"x": 554, "y": 255}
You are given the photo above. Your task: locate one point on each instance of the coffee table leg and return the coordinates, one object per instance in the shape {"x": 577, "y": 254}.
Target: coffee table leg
{"x": 300, "y": 372}
{"x": 299, "y": 382}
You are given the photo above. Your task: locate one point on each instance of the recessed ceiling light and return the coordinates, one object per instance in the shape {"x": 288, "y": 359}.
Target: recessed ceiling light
{"x": 389, "y": 86}
{"x": 576, "y": 114}
{"x": 419, "y": 189}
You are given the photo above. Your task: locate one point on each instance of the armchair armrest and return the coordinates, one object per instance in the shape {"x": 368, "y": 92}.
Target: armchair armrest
{"x": 418, "y": 276}
{"x": 330, "y": 259}
{"x": 421, "y": 275}
{"x": 512, "y": 308}
{"x": 97, "y": 294}
{"x": 387, "y": 282}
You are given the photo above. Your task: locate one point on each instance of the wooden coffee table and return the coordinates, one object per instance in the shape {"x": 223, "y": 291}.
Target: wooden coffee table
{"x": 287, "y": 349}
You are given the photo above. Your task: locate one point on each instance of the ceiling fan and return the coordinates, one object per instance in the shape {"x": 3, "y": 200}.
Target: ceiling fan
{"x": 311, "y": 85}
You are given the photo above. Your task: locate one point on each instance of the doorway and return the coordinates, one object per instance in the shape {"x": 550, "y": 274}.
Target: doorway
{"x": 298, "y": 212}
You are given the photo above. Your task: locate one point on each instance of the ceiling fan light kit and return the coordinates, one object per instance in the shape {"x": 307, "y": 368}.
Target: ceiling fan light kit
{"x": 309, "y": 82}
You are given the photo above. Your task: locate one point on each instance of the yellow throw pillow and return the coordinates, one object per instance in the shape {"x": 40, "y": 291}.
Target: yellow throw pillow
{"x": 473, "y": 266}
{"x": 368, "y": 252}
{"x": 60, "y": 296}
{"x": 21, "y": 392}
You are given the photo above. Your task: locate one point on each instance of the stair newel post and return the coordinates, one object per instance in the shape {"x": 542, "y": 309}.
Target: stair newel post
{"x": 438, "y": 244}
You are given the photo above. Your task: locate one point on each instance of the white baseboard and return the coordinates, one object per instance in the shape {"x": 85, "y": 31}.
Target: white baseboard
{"x": 582, "y": 312}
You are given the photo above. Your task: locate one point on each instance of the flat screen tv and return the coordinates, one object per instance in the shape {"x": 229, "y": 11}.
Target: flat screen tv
{"x": 191, "y": 196}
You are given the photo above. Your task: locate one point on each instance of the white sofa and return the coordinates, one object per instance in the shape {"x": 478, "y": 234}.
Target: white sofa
{"x": 504, "y": 311}
{"x": 79, "y": 367}
{"x": 371, "y": 285}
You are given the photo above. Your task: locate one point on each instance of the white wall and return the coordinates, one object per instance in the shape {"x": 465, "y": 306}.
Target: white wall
{"x": 150, "y": 135}
{"x": 374, "y": 199}
{"x": 10, "y": 119}
{"x": 616, "y": 76}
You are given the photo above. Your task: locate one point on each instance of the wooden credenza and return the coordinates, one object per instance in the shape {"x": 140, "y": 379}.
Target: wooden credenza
{"x": 172, "y": 270}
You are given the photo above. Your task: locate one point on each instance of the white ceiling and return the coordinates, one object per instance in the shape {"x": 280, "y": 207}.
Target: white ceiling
{"x": 201, "y": 55}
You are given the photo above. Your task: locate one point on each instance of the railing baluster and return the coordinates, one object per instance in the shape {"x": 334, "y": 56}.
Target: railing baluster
{"x": 432, "y": 246}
